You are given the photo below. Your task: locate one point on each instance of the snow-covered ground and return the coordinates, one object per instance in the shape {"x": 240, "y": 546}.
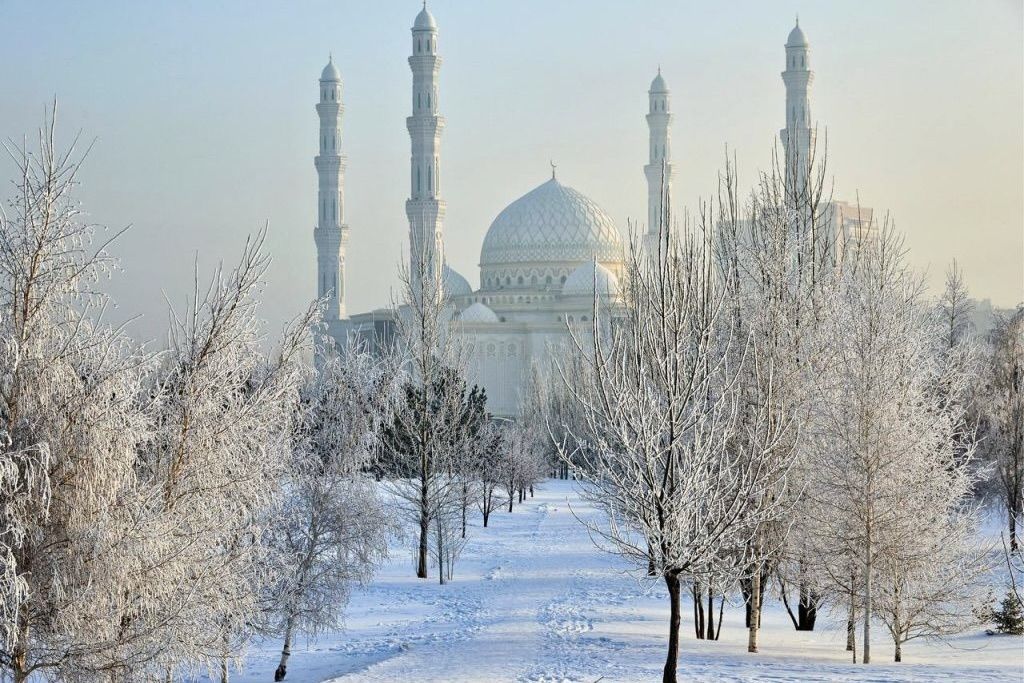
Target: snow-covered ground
{"x": 533, "y": 600}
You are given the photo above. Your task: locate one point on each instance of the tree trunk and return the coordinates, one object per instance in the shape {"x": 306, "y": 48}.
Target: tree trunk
{"x": 698, "y": 610}
{"x": 721, "y": 609}
{"x": 866, "y": 657}
{"x": 224, "y": 658}
{"x": 286, "y": 652}
{"x": 1013, "y": 528}
{"x": 672, "y": 661}
{"x": 851, "y": 622}
{"x": 783, "y": 592}
{"x": 440, "y": 551}
{"x": 421, "y": 565}
{"x": 899, "y": 650}
{"x": 746, "y": 592}
{"x": 465, "y": 504}
{"x": 807, "y": 609}
{"x": 19, "y": 657}
{"x": 711, "y": 614}
{"x": 511, "y": 497}
{"x": 754, "y": 611}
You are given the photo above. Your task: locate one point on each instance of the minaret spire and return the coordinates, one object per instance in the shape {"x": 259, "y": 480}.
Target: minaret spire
{"x": 798, "y": 135}
{"x": 425, "y": 208}
{"x": 659, "y": 169}
{"x": 331, "y": 233}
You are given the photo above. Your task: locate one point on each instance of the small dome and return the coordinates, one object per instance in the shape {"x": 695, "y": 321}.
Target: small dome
{"x": 658, "y": 84}
{"x": 424, "y": 21}
{"x": 581, "y": 281}
{"x": 478, "y": 313}
{"x": 454, "y": 284}
{"x": 797, "y": 37}
{"x": 330, "y": 72}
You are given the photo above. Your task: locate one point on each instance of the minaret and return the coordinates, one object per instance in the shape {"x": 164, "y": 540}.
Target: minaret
{"x": 425, "y": 208}
{"x": 331, "y": 233}
{"x": 798, "y": 135}
{"x": 659, "y": 169}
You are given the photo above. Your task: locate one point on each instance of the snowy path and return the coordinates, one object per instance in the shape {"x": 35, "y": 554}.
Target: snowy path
{"x": 534, "y": 602}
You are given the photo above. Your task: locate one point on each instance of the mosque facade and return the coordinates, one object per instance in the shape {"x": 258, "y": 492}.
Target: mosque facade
{"x": 544, "y": 254}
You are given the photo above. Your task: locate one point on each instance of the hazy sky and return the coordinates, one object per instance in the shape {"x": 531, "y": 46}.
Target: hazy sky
{"x": 205, "y": 126}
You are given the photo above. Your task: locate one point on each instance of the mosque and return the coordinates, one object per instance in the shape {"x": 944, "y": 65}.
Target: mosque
{"x": 544, "y": 254}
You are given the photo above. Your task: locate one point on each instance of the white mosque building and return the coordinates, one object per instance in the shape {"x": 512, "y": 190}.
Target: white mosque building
{"x": 544, "y": 253}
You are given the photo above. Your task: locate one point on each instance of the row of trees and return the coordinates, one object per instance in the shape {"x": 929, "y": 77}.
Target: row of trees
{"x": 158, "y": 510}
{"x": 443, "y": 453}
{"x": 776, "y": 400}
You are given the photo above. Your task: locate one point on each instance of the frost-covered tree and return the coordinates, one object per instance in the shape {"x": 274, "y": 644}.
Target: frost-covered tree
{"x": 134, "y": 483}
{"x": 1002, "y": 409}
{"x": 955, "y": 308}
{"x": 435, "y": 417}
{"x": 217, "y": 459}
{"x": 488, "y": 446}
{"x": 73, "y": 415}
{"x": 778, "y": 255}
{"x": 656, "y": 390}
{"x": 514, "y": 461}
{"x": 928, "y": 585}
{"x": 886, "y": 485}
{"x": 333, "y": 527}
{"x": 429, "y": 439}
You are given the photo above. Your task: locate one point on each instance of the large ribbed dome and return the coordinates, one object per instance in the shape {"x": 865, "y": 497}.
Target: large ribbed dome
{"x": 552, "y": 223}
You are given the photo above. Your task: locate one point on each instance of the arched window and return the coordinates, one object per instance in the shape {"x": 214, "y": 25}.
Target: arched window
{"x": 519, "y": 280}
{"x": 418, "y": 45}
{"x": 430, "y": 179}
{"x": 547, "y": 280}
{"x": 417, "y": 180}
{"x": 508, "y": 281}
{"x": 562, "y": 279}
{"x": 428, "y": 100}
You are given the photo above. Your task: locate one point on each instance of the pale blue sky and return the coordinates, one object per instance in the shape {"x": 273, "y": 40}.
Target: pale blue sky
{"x": 205, "y": 122}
